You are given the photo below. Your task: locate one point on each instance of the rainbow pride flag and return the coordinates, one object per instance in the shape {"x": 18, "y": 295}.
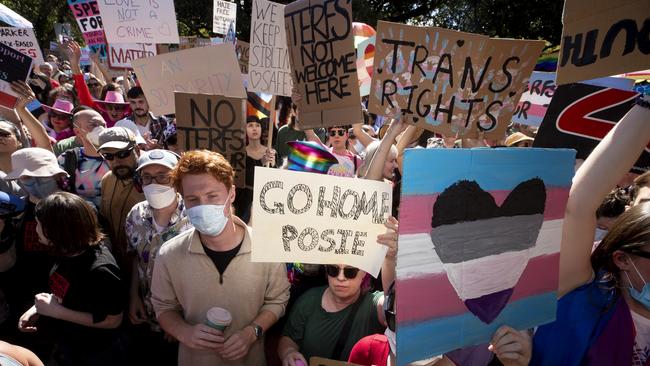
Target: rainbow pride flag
{"x": 479, "y": 242}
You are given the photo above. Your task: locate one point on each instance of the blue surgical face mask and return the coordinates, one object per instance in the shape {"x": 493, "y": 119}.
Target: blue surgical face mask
{"x": 642, "y": 297}
{"x": 39, "y": 187}
{"x": 600, "y": 234}
{"x": 208, "y": 219}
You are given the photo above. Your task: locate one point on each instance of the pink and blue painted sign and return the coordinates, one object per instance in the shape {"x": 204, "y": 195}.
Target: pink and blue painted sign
{"x": 479, "y": 244}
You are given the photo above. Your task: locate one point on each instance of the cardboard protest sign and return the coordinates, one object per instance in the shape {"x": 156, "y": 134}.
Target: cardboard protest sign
{"x": 90, "y": 23}
{"x": 603, "y": 38}
{"x": 224, "y": 13}
{"x": 22, "y": 40}
{"x": 132, "y": 21}
{"x": 449, "y": 82}
{"x": 580, "y": 115}
{"x": 216, "y": 123}
{"x": 269, "y": 69}
{"x": 365, "y": 60}
{"x": 323, "y": 62}
{"x": 14, "y": 66}
{"x": 190, "y": 71}
{"x": 319, "y": 361}
{"x": 242, "y": 49}
{"x": 533, "y": 103}
{"x": 478, "y": 248}
{"x": 120, "y": 55}
{"x": 315, "y": 218}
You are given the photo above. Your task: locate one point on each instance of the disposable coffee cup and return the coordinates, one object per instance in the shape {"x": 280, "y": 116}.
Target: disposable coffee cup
{"x": 218, "y": 318}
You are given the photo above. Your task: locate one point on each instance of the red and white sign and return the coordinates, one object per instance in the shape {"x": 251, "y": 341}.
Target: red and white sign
{"x": 120, "y": 55}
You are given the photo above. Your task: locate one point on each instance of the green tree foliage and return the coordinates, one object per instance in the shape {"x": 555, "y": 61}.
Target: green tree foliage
{"x": 532, "y": 19}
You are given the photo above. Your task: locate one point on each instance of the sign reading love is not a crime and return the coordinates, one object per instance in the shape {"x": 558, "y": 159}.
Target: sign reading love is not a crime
{"x": 269, "y": 70}
{"x": 139, "y": 21}
{"x": 325, "y": 219}
{"x": 90, "y": 23}
{"x": 449, "y": 82}
{"x": 190, "y": 71}
{"x": 323, "y": 62}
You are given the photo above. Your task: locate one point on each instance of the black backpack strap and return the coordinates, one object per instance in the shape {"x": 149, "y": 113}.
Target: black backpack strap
{"x": 70, "y": 167}
{"x": 345, "y": 331}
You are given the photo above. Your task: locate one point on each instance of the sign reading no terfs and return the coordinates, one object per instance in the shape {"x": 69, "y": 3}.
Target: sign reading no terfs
{"x": 216, "y": 123}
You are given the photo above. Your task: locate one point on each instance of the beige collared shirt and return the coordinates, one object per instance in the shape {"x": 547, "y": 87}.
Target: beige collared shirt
{"x": 186, "y": 280}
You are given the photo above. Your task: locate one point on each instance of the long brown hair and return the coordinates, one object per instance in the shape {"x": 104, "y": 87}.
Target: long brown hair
{"x": 629, "y": 233}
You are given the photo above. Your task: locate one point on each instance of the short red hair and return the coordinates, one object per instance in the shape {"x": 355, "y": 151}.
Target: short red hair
{"x": 200, "y": 162}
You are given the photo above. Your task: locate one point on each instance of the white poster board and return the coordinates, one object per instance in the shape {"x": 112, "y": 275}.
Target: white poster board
{"x": 22, "y": 40}
{"x": 139, "y": 21}
{"x": 315, "y": 218}
{"x": 224, "y": 13}
{"x": 120, "y": 55}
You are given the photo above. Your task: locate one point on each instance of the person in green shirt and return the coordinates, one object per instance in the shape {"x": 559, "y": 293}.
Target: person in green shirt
{"x": 290, "y": 132}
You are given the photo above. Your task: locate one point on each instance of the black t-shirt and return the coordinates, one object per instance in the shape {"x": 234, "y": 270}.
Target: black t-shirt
{"x": 90, "y": 282}
{"x": 221, "y": 260}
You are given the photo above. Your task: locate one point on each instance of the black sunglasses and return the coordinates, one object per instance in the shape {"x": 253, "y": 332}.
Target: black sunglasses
{"x": 160, "y": 179}
{"x": 335, "y": 132}
{"x": 348, "y": 272}
{"x": 120, "y": 154}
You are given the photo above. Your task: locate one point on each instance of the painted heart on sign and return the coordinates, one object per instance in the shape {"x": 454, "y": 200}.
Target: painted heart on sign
{"x": 254, "y": 77}
{"x": 485, "y": 247}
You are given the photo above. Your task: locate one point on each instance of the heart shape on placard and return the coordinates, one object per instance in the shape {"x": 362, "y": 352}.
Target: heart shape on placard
{"x": 512, "y": 93}
{"x": 415, "y": 119}
{"x": 484, "y": 247}
{"x": 254, "y": 77}
{"x": 460, "y": 42}
{"x": 165, "y": 29}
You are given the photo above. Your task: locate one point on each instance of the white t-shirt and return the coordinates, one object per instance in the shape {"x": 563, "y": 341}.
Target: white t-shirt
{"x": 346, "y": 166}
{"x": 641, "y": 340}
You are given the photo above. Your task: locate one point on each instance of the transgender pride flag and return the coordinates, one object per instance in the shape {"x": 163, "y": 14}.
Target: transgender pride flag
{"x": 479, "y": 242}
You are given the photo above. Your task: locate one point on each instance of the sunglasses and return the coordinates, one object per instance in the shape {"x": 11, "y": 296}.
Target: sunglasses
{"x": 389, "y": 307}
{"x": 59, "y": 115}
{"x": 348, "y": 272}
{"x": 335, "y": 132}
{"x": 120, "y": 154}
{"x": 160, "y": 179}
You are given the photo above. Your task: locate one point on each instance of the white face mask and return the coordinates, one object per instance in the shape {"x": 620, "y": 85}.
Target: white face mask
{"x": 93, "y": 136}
{"x": 600, "y": 234}
{"x": 158, "y": 195}
{"x": 208, "y": 219}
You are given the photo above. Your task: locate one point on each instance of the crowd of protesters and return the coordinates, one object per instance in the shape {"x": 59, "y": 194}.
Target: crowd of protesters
{"x": 113, "y": 247}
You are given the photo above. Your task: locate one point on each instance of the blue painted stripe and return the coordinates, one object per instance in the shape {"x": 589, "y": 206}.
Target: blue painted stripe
{"x": 428, "y": 171}
{"x": 434, "y": 337}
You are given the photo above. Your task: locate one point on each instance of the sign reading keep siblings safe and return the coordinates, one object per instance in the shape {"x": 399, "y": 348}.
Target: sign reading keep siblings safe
{"x": 314, "y": 218}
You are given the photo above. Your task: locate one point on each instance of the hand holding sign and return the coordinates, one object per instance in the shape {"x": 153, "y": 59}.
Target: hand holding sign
{"x": 25, "y": 94}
